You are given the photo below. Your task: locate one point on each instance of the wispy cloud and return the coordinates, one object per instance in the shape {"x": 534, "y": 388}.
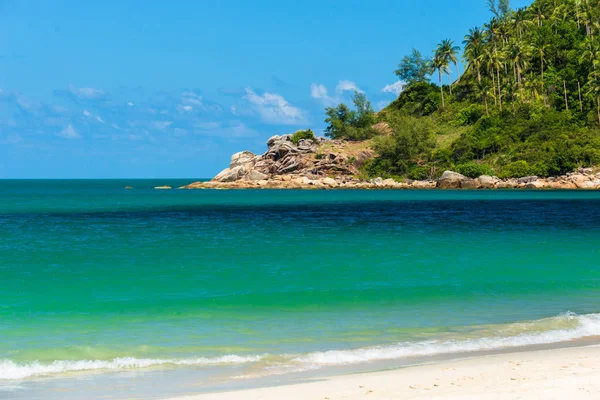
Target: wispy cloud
{"x": 395, "y": 88}
{"x": 274, "y": 109}
{"x": 319, "y": 92}
{"x": 69, "y": 133}
{"x": 86, "y": 93}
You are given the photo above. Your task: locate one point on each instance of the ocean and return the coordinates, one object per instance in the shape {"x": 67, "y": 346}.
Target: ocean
{"x": 144, "y": 293}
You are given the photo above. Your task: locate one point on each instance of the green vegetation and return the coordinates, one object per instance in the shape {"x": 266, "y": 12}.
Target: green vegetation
{"x": 527, "y": 103}
{"x": 345, "y": 123}
{"x": 302, "y": 135}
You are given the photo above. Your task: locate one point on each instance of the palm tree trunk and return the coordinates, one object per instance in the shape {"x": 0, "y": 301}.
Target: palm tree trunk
{"x": 441, "y": 88}
{"x": 450, "y": 83}
{"x": 580, "y": 101}
{"x": 598, "y": 102}
{"x": 457, "y": 71}
{"x": 543, "y": 89}
{"x": 520, "y": 84}
{"x": 499, "y": 90}
{"x": 494, "y": 88}
{"x": 487, "y": 109}
{"x": 566, "y": 99}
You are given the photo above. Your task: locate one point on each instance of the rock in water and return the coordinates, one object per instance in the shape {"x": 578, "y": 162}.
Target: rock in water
{"x": 230, "y": 174}
{"x": 470, "y": 184}
{"x": 451, "y": 180}
{"x": 488, "y": 182}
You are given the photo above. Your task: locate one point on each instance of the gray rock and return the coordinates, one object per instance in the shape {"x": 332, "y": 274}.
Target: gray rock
{"x": 330, "y": 182}
{"x": 487, "y": 182}
{"x": 527, "y": 179}
{"x": 469, "y": 184}
{"x": 377, "y": 181}
{"x": 535, "y": 185}
{"x": 586, "y": 171}
{"x": 255, "y": 175}
{"x": 230, "y": 174}
{"x": 241, "y": 158}
{"x": 450, "y": 180}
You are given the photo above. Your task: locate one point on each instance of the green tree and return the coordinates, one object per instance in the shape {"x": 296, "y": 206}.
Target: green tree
{"x": 440, "y": 64}
{"x": 449, "y": 53}
{"x": 413, "y": 68}
{"x": 345, "y": 123}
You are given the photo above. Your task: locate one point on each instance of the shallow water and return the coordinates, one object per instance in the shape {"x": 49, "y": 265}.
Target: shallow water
{"x": 216, "y": 285}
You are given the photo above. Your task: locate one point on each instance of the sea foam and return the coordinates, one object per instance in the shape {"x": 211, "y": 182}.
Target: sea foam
{"x": 562, "y": 328}
{"x": 10, "y": 370}
{"x": 580, "y": 327}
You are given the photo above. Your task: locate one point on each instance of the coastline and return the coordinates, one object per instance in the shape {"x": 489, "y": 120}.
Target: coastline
{"x": 532, "y": 374}
{"x": 336, "y": 164}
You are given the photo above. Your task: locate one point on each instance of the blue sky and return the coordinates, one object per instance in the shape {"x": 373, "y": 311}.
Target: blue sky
{"x": 157, "y": 89}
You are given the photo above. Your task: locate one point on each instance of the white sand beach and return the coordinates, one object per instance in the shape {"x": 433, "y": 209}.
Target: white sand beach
{"x": 567, "y": 373}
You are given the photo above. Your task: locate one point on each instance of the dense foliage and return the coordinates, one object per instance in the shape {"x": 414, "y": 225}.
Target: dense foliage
{"x": 345, "y": 123}
{"x": 302, "y": 135}
{"x": 527, "y": 103}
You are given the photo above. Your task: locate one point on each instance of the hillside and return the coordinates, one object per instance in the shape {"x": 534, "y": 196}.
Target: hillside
{"x": 528, "y": 102}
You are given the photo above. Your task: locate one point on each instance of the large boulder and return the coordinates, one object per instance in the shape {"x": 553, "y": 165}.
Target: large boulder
{"x": 527, "y": 179}
{"x": 255, "y": 175}
{"x": 230, "y": 174}
{"x": 470, "y": 184}
{"x": 451, "y": 180}
{"x": 488, "y": 182}
{"x": 241, "y": 158}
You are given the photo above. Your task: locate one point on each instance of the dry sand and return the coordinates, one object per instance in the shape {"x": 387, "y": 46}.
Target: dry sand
{"x": 568, "y": 373}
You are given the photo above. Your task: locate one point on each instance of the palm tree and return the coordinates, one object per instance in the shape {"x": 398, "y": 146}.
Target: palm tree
{"x": 474, "y": 50}
{"x": 518, "y": 53}
{"x": 449, "y": 52}
{"x": 594, "y": 89}
{"x": 440, "y": 64}
{"x": 521, "y": 22}
{"x": 540, "y": 46}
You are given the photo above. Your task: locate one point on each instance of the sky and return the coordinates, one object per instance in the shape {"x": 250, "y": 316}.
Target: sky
{"x": 170, "y": 89}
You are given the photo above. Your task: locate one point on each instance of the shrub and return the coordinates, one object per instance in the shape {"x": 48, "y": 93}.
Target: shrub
{"x": 517, "y": 169}
{"x": 420, "y": 173}
{"x": 302, "y": 135}
{"x": 474, "y": 170}
{"x": 469, "y": 115}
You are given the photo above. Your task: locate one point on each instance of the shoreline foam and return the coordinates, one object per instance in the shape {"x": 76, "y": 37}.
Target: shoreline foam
{"x": 561, "y": 329}
{"x": 572, "y": 372}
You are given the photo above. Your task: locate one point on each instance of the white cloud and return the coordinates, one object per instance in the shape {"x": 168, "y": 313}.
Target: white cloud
{"x": 191, "y": 98}
{"x": 234, "y": 110}
{"x": 86, "y": 93}
{"x": 86, "y": 113}
{"x": 344, "y": 86}
{"x": 183, "y": 109}
{"x": 69, "y": 133}
{"x": 319, "y": 91}
{"x": 395, "y": 88}
{"x": 130, "y": 104}
{"x": 99, "y": 119}
{"x": 274, "y": 109}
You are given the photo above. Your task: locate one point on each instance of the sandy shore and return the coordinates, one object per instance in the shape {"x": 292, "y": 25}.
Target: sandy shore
{"x": 568, "y": 373}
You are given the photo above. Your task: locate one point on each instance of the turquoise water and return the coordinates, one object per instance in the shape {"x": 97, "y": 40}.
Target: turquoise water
{"x": 253, "y": 283}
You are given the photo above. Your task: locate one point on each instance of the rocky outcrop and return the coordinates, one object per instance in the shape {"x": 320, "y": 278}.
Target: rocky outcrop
{"x": 283, "y": 157}
{"x": 334, "y": 164}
